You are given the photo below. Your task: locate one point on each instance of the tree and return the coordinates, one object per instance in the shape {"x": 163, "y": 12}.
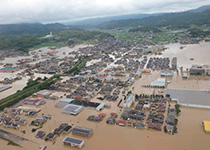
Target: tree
{"x": 177, "y": 107}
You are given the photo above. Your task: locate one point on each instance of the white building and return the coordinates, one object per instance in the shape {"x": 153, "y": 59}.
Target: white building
{"x": 63, "y": 102}
{"x": 129, "y": 101}
{"x": 167, "y": 73}
{"x": 49, "y": 36}
{"x": 72, "y": 109}
{"x": 160, "y": 82}
{"x": 73, "y": 142}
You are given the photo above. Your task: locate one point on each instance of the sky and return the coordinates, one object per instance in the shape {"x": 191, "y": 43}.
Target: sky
{"x": 49, "y": 11}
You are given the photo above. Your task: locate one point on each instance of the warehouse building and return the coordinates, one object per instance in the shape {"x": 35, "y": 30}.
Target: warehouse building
{"x": 191, "y": 98}
{"x": 44, "y": 93}
{"x": 6, "y": 87}
{"x": 73, "y": 142}
{"x": 160, "y": 82}
{"x": 82, "y": 131}
{"x": 129, "y": 101}
{"x": 167, "y": 73}
{"x": 200, "y": 70}
{"x": 63, "y": 102}
{"x": 72, "y": 109}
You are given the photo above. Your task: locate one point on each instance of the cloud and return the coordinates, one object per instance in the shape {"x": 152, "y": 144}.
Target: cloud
{"x": 18, "y": 11}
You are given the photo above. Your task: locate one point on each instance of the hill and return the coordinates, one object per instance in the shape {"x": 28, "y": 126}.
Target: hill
{"x": 99, "y": 20}
{"x": 176, "y": 20}
{"x": 200, "y": 9}
{"x": 25, "y": 36}
{"x": 28, "y": 28}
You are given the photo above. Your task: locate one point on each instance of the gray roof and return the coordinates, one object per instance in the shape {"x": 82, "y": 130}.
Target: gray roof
{"x": 73, "y": 140}
{"x": 129, "y": 99}
{"x": 160, "y": 82}
{"x": 5, "y": 87}
{"x": 192, "y": 98}
{"x": 72, "y": 109}
{"x": 82, "y": 129}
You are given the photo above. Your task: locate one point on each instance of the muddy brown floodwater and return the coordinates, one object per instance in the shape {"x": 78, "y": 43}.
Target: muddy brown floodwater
{"x": 190, "y": 136}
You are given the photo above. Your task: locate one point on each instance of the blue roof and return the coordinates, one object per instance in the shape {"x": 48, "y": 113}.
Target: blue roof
{"x": 8, "y": 68}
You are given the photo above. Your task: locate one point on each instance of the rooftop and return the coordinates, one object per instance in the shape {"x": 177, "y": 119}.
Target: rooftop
{"x": 206, "y": 125}
{"x": 192, "y": 98}
{"x": 73, "y": 140}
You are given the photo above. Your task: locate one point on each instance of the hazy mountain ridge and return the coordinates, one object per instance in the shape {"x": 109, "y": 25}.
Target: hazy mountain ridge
{"x": 30, "y": 28}
{"x": 99, "y": 20}
{"x": 173, "y": 19}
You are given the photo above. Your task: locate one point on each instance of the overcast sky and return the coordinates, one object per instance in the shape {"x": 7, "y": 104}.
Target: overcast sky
{"x": 46, "y": 11}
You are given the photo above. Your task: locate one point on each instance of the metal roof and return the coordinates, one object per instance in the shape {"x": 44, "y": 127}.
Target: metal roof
{"x": 129, "y": 99}
{"x": 192, "y": 98}
{"x": 66, "y": 100}
{"x": 73, "y": 140}
{"x": 5, "y": 87}
{"x": 72, "y": 109}
{"x": 160, "y": 82}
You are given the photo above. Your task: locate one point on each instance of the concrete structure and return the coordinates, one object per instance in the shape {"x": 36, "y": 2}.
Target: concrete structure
{"x": 206, "y": 125}
{"x": 72, "y": 109}
{"x": 200, "y": 70}
{"x": 167, "y": 73}
{"x": 6, "y": 87}
{"x": 73, "y": 142}
{"x": 63, "y": 102}
{"x": 129, "y": 101}
{"x": 138, "y": 73}
{"x": 100, "y": 107}
{"x": 44, "y": 93}
{"x": 174, "y": 63}
{"x": 191, "y": 98}
{"x": 160, "y": 82}
{"x": 82, "y": 131}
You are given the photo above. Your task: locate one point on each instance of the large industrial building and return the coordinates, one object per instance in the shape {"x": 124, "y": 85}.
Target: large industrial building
{"x": 200, "y": 70}
{"x": 63, "y": 102}
{"x": 73, "y": 142}
{"x": 191, "y": 98}
{"x": 72, "y": 109}
{"x": 160, "y": 82}
{"x": 6, "y": 87}
{"x": 82, "y": 131}
{"x": 129, "y": 101}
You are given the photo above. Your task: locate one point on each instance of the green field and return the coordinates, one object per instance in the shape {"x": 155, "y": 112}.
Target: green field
{"x": 48, "y": 44}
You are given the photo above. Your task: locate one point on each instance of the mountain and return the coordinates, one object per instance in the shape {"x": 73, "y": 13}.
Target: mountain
{"x": 181, "y": 19}
{"x": 30, "y": 28}
{"x": 97, "y": 21}
{"x": 130, "y": 17}
{"x": 200, "y": 9}
{"x": 25, "y": 36}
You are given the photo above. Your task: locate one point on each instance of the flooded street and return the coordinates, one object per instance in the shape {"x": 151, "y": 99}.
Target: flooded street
{"x": 190, "y": 134}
